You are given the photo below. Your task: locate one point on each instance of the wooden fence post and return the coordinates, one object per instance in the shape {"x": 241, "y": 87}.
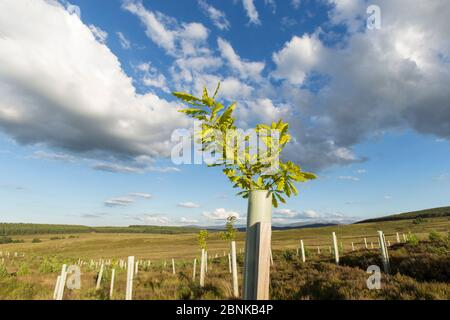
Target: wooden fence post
{"x": 336, "y": 249}
{"x": 318, "y": 250}
{"x": 130, "y": 273}
{"x": 234, "y": 269}
{"x": 229, "y": 263}
{"x": 398, "y": 238}
{"x": 365, "y": 243}
{"x": 258, "y": 246}
{"x": 353, "y": 247}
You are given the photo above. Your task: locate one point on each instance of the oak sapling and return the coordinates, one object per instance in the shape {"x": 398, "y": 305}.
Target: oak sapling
{"x": 230, "y": 232}
{"x": 263, "y": 178}
{"x": 245, "y": 170}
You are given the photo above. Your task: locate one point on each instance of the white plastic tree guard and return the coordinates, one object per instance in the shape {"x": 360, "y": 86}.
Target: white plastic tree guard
{"x": 257, "y": 246}
{"x": 384, "y": 252}
{"x": 336, "y": 249}
{"x": 130, "y": 273}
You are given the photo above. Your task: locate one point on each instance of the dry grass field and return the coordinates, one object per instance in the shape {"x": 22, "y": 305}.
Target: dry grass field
{"x": 420, "y": 271}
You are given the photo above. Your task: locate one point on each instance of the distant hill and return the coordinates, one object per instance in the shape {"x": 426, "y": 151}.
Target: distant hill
{"x": 428, "y": 213}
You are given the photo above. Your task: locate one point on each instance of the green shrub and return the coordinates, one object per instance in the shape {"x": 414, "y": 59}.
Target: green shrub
{"x": 6, "y": 240}
{"x": 435, "y": 236}
{"x": 412, "y": 239}
{"x": 418, "y": 220}
{"x": 36, "y": 240}
{"x": 23, "y": 270}
{"x": 47, "y": 267}
{"x": 3, "y": 272}
{"x": 288, "y": 255}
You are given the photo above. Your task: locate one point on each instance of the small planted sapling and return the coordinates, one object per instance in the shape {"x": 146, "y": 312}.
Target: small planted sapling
{"x": 230, "y": 234}
{"x": 251, "y": 161}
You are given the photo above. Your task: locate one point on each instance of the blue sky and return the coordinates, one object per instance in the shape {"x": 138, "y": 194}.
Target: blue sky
{"x": 86, "y": 112}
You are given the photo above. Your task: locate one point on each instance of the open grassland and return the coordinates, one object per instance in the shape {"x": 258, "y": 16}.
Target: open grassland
{"x": 420, "y": 271}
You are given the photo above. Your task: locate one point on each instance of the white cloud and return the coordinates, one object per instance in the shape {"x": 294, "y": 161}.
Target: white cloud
{"x": 53, "y": 156}
{"x": 251, "y": 11}
{"x": 348, "y": 178}
{"x": 167, "y": 33}
{"x": 141, "y": 195}
{"x": 118, "y": 202}
{"x": 220, "y": 214}
{"x": 151, "y": 77}
{"x": 189, "y": 205}
{"x": 443, "y": 177}
{"x": 218, "y": 17}
{"x": 272, "y": 4}
{"x": 132, "y": 168}
{"x": 188, "y": 220}
{"x": 76, "y": 97}
{"x": 124, "y": 42}
{"x": 361, "y": 171}
{"x": 245, "y": 69}
{"x": 156, "y": 218}
{"x": 387, "y": 197}
{"x": 292, "y": 214}
{"x": 127, "y": 200}
{"x": 264, "y": 110}
{"x": 296, "y": 3}
{"x": 297, "y": 58}
{"x": 99, "y": 34}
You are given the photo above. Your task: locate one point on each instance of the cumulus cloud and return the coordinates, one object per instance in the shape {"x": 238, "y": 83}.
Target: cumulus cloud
{"x": 218, "y": 17}
{"x": 77, "y": 97}
{"x": 297, "y": 58}
{"x": 371, "y": 83}
{"x": 189, "y": 205}
{"x": 244, "y": 69}
{"x": 220, "y": 214}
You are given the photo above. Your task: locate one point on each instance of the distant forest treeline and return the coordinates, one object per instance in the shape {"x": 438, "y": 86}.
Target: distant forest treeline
{"x": 10, "y": 229}
{"x": 428, "y": 213}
